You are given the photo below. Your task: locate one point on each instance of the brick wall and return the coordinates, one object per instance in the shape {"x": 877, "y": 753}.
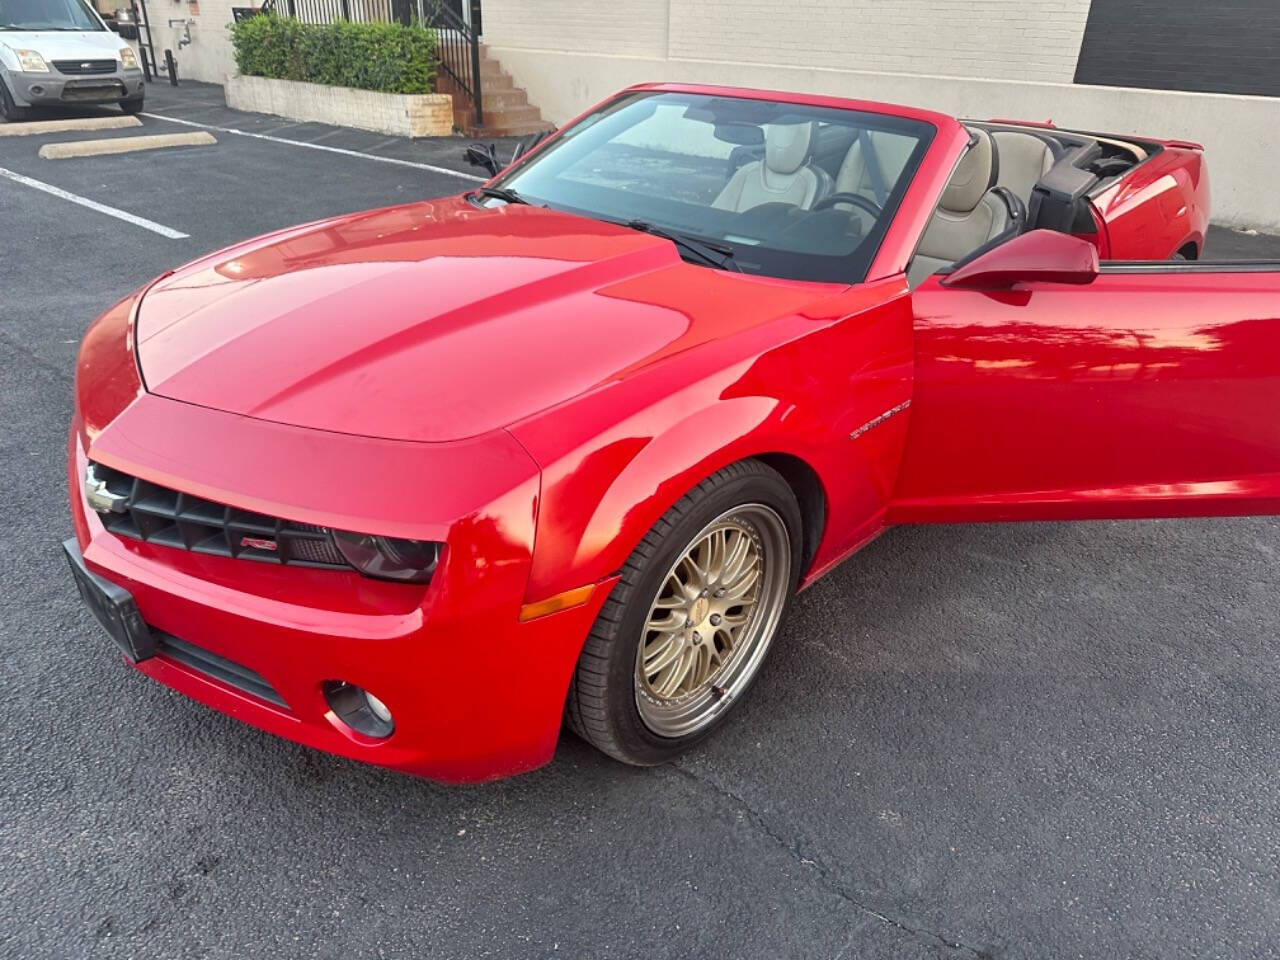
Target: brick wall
{"x": 1017, "y": 39}
{"x": 633, "y": 28}
{"x": 208, "y": 56}
{"x": 1013, "y": 39}
{"x": 1215, "y": 47}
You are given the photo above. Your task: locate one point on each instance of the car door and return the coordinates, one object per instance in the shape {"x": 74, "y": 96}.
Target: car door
{"x": 1141, "y": 390}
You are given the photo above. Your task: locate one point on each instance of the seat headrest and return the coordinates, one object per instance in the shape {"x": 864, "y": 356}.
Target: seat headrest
{"x": 786, "y": 146}
{"x": 975, "y": 175}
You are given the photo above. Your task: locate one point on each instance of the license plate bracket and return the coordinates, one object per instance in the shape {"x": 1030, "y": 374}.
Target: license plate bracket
{"x": 113, "y": 607}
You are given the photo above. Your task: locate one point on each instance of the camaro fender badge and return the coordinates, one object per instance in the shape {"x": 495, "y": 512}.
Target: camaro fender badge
{"x": 258, "y": 543}
{"x": 876, "y": 421}
{"x": 99, "y": 497}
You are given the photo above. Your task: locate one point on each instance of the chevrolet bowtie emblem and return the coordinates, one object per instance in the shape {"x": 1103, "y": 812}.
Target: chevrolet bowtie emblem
{"x": 100, "y": 498}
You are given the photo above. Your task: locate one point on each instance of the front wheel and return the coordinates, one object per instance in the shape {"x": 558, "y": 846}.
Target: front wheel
{"x": 688, "y": 626}
{"x": 10, "y": 110}
{"x": 131, "y": 106}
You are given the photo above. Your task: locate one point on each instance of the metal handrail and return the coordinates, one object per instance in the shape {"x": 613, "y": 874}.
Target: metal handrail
{"x": 458, "y": 46}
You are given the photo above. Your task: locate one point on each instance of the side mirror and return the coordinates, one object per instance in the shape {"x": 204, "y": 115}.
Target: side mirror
{"x": 111, "y": 25}
{"x": 525, "y": 144}
{"x": 483, "y": 155}
{"x": 1043, "y": 256}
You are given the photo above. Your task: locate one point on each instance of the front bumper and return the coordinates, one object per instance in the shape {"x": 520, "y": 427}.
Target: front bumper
{"x": 475, "y": 692}
{"x": 54, "y": 88}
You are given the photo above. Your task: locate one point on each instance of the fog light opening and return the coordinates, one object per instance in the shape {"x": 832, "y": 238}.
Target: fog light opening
{"x": 359, "y": 709}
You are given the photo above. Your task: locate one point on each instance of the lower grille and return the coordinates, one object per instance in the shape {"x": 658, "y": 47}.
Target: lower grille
{"x": 82, "y": 67}
{"x": 220, "y": 668}
{"x": 93, "y": 90}
{"x": 156, "y": 514}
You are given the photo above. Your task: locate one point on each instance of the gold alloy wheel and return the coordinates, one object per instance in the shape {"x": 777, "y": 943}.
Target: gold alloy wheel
{"x": 710, "y": 625}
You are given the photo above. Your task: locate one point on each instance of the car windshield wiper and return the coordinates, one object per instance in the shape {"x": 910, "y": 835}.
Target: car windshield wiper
{"x": 715, "y": 254}
{"x": 501, "y": 193}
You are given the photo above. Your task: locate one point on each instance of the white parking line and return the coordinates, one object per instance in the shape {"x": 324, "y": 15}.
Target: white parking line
{"x": 142, "y": 222}
{"x": 320, "y": 146}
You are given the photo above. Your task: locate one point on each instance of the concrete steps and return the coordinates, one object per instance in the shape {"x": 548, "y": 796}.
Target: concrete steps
{"x": 507, "y": 111}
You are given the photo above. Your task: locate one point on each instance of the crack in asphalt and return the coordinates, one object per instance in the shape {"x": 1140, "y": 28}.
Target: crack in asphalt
{"x": 825, "y": 874}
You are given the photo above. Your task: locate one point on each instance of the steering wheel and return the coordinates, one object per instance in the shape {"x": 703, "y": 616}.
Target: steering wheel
{"x": 857, "y": 199}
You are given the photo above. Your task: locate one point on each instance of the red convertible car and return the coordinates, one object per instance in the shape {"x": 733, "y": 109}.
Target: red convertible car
{"x": 413, "y": 485}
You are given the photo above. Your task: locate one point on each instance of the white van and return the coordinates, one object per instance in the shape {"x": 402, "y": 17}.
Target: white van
{"x": 60, "y": 53}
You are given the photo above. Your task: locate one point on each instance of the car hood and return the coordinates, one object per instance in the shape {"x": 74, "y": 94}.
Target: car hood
{"x": 65, "y": 45}
{"x": 434, "y": 321}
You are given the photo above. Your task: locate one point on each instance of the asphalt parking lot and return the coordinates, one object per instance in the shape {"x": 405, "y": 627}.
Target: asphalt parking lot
{"x": 998, "y": 741}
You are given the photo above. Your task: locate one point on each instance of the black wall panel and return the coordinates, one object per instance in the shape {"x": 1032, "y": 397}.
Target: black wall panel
{"x": 1215, "y": 46}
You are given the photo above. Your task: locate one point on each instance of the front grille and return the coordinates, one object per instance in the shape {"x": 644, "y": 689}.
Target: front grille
{"x": 85, "y": 67}
{"x": 160, "y": 515}
{"x": 220, "y": 668}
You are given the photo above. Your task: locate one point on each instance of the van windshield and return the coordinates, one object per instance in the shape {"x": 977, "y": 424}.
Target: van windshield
{"x": 47, "y": 15}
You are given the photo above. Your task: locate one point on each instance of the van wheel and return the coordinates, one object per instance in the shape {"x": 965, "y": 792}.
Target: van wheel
{"x": 131, "y": 106}
{"x": 10, "y": 110}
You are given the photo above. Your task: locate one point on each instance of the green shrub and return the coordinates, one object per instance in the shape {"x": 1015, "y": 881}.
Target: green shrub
{"x": 388, "y": 57}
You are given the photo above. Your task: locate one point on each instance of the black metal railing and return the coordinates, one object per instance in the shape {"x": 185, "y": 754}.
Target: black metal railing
{"x": 331, "y": 11}
{"x": 457, "y": 43}
{"x": 458, "y": 46}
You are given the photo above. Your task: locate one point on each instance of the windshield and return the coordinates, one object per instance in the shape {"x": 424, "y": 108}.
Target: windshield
{"x": 786, "y": 190}
{"x": 47, "y": 15}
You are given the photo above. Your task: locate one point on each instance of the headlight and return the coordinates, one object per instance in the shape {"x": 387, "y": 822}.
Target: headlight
{"x": 389, "y": 558}
{"x": 31, "y": 62}
{"x": 128, "y": 58}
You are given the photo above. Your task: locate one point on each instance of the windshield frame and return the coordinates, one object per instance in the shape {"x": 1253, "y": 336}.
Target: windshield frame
{"x": 850, "y": 267}
{"x": 97, "y": 25}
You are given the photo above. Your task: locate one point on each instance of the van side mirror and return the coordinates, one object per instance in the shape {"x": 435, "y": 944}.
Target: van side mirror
{"x": 111, "y": 24}
{"x": 1043, "y": 256}
{"x": 484, "y": 155}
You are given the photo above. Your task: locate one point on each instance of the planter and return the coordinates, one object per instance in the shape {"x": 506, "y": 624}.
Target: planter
{"x": 397, "y": 114}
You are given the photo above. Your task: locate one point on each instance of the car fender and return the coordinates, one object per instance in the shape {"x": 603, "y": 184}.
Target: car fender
{"x": 605, "y": 484}
{"x": 1159, "y": 208}
{"x": 657, "y": 471}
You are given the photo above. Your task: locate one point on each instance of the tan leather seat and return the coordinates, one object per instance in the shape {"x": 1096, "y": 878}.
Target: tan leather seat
{"x": 873, "y": 164}
{"x": 969, "y": 214}
{"x": 1024, "y": 159}
{"x": 781, "y": 177}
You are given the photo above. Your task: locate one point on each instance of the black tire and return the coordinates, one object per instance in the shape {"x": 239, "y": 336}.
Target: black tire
{"x": 601, "y": 706}
{"x": 10, "y": 110}
{"x": 131, "y": 106}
